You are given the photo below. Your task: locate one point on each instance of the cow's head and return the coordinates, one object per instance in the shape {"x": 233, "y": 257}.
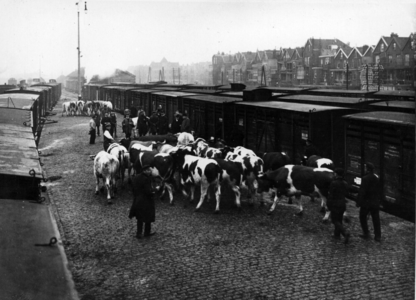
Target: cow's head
{"x": 200, "y": 146}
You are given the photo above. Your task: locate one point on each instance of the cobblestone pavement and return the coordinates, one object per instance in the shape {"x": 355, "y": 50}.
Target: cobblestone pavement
{"x": 201, "y": 255}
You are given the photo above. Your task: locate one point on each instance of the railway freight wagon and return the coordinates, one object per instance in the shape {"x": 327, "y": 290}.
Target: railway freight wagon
{"x": 280, "y": 126}
{"x": 18, "y": 151}
{"x": 55, "y": 93}
{"x": 38, "y": 93}
{"x": 386, "y": 139}
{"x": 395, "y": 95}
{"x": 341, "y": 93}
{"x": 210, "y": 116}
{"x": 171, "y": 101}
{"x": 47, "y": 97}
{"x": 93, "y": 91}
{"x": 26, "y": 111}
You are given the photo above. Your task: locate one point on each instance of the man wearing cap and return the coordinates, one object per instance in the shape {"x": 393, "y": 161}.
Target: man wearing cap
{"x": 368, "y": 199}
{"x": 143, "y": 207}
{"x": 338, "y": 190}
{"x": 175, "y": 126}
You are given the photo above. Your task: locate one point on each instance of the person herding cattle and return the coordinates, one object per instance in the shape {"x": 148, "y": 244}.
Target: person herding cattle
{"x": 127, "y": 125}
{"x": 143, "y": 207}
{"x": 338, "y": 191}
{"x": 97, "y": 118}
{"x": 92, "y": 130}
{"x": 113, "y": 119}
{"x": 369, "y": 197}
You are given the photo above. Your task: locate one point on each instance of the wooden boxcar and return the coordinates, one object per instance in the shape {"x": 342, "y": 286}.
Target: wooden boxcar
{"x": 56, "y": 92}
{"x": 171, "y": 101}
{"x": 18, "y": 151}
{"x": 280, "y": 126}
{"x": 386, "y": 139}
{"x": 29, "y": 104}
{"x": 211, "y": 116}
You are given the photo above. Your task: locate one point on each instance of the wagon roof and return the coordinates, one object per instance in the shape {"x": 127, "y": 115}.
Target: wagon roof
{"x": 216, "y": 99}
{"x": 18, "y": 155}
{"x": 201, "y": 91}
{"x": 292, "y": 106}
{"x": 17, "y": 100}
{"x": 387, "y": 117}
{"x": 395, "y": 93}
{"x": 316, "y": 98}
{"x": 396, "y": 103}
{"x": 143, "y": 90}
{"x": 330, "y": 91}
{"x": 283, "y": 89}
{"x": 174, "y": 93}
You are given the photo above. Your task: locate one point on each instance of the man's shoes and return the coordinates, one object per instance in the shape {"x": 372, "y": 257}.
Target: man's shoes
{"x": 336, "y": 237}
{"x": 364, "y": 236}
{"x": 377, "y": 239}
{"x": 149, "y": 234}
{"x": 347, "y": 238}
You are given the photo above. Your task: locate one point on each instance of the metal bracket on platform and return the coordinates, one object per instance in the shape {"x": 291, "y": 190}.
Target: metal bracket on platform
{"x": 52, "y": 242}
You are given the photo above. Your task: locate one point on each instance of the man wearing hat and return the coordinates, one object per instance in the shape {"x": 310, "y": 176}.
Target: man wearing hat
{"x": 368, "y": 199}
{"x": 338, "y": 190}
{"x": 143, "y": 207}
{"x": 175, "y": 126}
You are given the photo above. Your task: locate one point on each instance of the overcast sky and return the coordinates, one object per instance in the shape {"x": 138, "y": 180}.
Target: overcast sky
{"x": 40, "y": 36}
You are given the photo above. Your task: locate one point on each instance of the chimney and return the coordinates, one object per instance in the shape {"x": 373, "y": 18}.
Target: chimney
{"x": 394, "y": 34}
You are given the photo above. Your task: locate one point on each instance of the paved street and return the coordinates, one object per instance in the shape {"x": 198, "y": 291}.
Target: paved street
{"x": 201, "y": 255}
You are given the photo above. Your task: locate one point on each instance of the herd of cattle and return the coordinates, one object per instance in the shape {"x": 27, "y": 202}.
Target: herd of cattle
{"x": 182, "y": 163}
{"x": 88, "y": 108}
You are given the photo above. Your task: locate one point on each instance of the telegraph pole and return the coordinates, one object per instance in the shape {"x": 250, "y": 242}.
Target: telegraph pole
{"x": 79, "y": 52}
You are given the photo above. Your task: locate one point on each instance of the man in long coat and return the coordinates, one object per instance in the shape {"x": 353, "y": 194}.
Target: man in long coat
{"x": 337, "y": 204}
{"x": 143, "y": 207}
{"x": 369, "y": 198}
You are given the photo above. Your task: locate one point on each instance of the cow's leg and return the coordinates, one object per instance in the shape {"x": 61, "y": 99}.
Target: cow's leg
{"x": 273, "y": 205}
{"x": 298, "y": 197}
{"x": 204, "y": 189}
{"x": 346, "y": 217}
{"x": 237, "y": 193}
{"x": 170, "y": 192}
{"x": 217, "y": 188}
{"x": 108, "y": 184}
{"x": 97, "y": 189}
{"x": 183, "y": 190}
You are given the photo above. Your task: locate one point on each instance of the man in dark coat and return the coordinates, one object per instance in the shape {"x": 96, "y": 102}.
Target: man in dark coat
{"x": 142, "y": 121}
{"x": 106, "y": 123}
{"x": 154, "y": 123}
{"x": 309, "y": 150}
{"x": 97, "y": 119}
{"x": 186, "y": 124}
{"x": 163, "y": 124}
{"x": 338, "y": 190}
{"x": 175, "y": 126}
{"x": 143, "y": 207}
{"x": 369, "y": 197}
{"x": 113, "y": 129}
{"x": 128, "y": 126}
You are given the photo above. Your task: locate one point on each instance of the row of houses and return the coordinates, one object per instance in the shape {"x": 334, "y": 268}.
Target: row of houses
{"x": 173, "y": 72}
{"x": 324, "y": 62}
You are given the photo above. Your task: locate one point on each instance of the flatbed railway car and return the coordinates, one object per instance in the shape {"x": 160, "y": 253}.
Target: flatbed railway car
{"x": 281, "y": 126}
{"x": 386, "y": 139}
{"x": 39, "y": 92}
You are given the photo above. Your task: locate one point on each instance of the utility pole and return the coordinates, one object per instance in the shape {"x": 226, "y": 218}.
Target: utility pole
{"x": 347, "y": 75}
{"x": 79, "y": 51}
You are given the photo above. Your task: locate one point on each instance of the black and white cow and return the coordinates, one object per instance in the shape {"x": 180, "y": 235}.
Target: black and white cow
{"x": 316, "y": 161}
{"x": 273, "y": 161}
{"x": 162, "y": 166}
{"x": 197, "y": 171}
{"x": 252, "y": 167}
{"x": 202, "y": 149}
{"x": 232, "y": 175}
{"x": 106, "y": 166}
{"x": 69, "y": 107}
{"x": 294, "y": 180}
{"x": 123, "y": 156}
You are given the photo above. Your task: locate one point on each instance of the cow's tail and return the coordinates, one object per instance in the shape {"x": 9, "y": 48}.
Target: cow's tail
{"x": 120, "y": 157}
